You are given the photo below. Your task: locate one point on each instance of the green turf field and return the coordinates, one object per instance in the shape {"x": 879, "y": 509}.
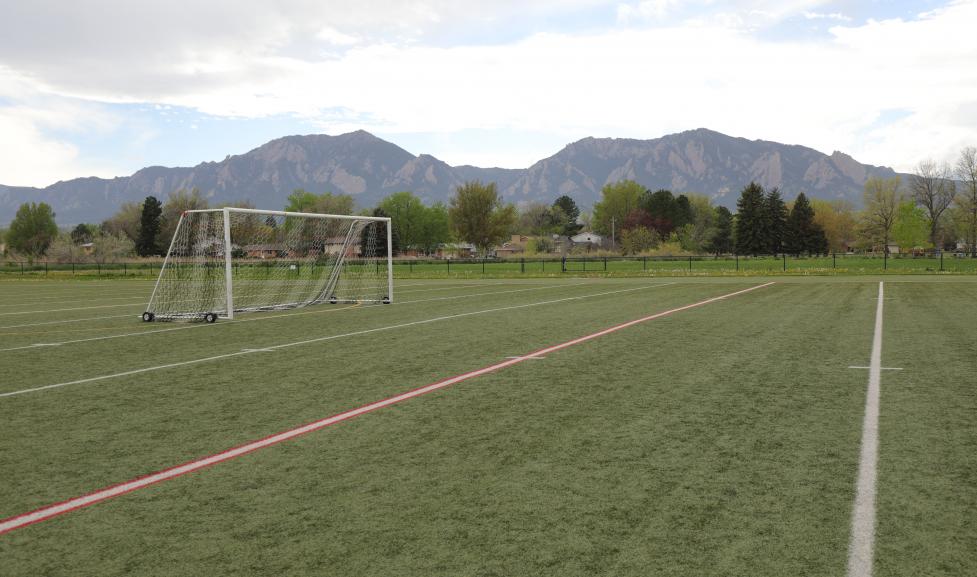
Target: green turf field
{"x": 719, "y": 440}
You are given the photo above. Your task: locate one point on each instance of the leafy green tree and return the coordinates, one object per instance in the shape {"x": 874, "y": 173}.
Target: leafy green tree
{"x": 776, "y": 221}
{"x": 125, "y": 221}
{"x": 911, "y": 227}
{"x": 32, "y": 229}
{"x": 83, "y": 233}
{"x": 176, "y": 204}
{"x": 703, "y": 225}
{"x": 722, "y": 240}
{"x": 378, "y": 237}
{"x": 751, "y": 226}
{"x": 837, "y": 219}
{"x": 435, "y": 228}
{"x": 617, "y": 201}
{"x": 409, "y": 215}
{"x": 478, "y": 215}
{"x": 326, "y": 203}
{"x": 803, "y": 235}
{"x": 571, "y": 212}
{"x": 683, "y": 213}
{"x": 149, "y": 224}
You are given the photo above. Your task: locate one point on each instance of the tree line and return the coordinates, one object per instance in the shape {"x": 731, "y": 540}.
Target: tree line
{"x": 935, "y": 208}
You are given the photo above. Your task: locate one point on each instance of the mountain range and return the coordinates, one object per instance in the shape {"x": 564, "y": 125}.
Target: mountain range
{"x": 369, "y": 168}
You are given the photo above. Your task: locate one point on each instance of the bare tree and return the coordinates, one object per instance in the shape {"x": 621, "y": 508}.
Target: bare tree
{"x": 881, "y": 201}
{"x": 967, "y": 174}
{"x": 933, "y": 188}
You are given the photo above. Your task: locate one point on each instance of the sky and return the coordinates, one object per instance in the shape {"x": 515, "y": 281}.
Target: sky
{"x": 106, "y": 87}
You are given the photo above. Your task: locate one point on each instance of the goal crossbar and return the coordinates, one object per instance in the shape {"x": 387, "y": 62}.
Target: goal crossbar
{"x": 226, "y": 260}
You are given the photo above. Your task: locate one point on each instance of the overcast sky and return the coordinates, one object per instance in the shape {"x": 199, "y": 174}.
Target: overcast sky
{"x": 105, "y": 87}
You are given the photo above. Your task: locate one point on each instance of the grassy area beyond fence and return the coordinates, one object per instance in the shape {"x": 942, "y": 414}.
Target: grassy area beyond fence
{"x": 699, "y": 265}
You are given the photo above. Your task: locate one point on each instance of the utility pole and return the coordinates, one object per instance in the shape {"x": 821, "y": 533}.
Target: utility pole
{"x": 613, "y": 243}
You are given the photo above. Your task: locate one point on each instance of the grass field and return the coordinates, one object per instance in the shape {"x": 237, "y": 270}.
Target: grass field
{"x": 722, "y": 439}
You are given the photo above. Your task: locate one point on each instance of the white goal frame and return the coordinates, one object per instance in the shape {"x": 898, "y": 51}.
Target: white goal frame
{"x": 228, "y": 256}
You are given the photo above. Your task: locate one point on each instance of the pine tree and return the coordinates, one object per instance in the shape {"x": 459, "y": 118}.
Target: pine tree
{"x": 803, "y": 235}
{"x": 572, "y": 212}
{"x": 722, "y": 239}
{"x": 751, "y": 233}
{"x": 776, "y": 221}
{"x": 149, "y": 224}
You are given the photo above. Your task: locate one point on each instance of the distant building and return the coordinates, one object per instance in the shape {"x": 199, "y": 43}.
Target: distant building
{"x": 515, "y": 245}
{"x": 455, "y": 250}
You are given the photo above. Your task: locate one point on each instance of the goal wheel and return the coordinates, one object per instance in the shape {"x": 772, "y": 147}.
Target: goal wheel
{"x": 210, "y": 317}
{"x": 386, "y": 300}
{"x": 148, "y": 317}
{"x": 333, "y": 300}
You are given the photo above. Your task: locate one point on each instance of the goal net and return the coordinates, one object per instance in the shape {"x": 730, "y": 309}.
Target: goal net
{"x": 230, "y": 260}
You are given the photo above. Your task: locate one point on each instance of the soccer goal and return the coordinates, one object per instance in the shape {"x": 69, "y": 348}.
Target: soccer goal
{"x": 230, "y": 260}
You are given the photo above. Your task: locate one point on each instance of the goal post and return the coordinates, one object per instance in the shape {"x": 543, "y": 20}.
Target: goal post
{"x": 229, "y": 260}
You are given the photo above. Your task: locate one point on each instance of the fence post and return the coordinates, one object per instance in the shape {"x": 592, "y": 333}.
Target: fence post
{"x": 605, "y": 264}
{"x": 885, "y": 258}
{"x": 72, "y": 268}
{"x": 644, "y": 263}
{"x": 834, "y": 260}
{"x": 785, "y": 262}
{"x": 941, "y": 261}
{"x": 449, "y": 265}
{"x": 522, "y": 264}
{"x": 125, "y": 269}
{"x": 45, "y": 267}
{"x": 483, "y": 264}
{"x": 737, "y": 257}
{"x": 22, "y": 268}
{"x": 98, "y": 266}
{"x": 563, "y": 264}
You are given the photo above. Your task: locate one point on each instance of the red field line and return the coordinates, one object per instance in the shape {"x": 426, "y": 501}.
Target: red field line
{"x": 56, "y": 509}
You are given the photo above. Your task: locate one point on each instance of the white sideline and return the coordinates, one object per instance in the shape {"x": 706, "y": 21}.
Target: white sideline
{"x": 264, "y": 318}
{"x": 54, "y": 510}
{"x": 861, "y": 549}
{"x": 329, "y": 338}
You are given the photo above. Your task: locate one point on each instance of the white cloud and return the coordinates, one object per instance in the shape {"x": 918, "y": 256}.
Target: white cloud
{"x": 636, "y": 82}
{"x": 838, "y": 16}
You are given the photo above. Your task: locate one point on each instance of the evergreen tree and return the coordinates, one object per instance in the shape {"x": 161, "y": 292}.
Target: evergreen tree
{"x": 149, "y": 224}
{"x": 751, "y": 230}
{"x": 803, "y": 234}
{"x": 380, "y": 238}
{"x": 776, "y": 221}
{"x": 572, "y": 212}
{"x": 722, "y": 239}
{"x": 682, "y": 212}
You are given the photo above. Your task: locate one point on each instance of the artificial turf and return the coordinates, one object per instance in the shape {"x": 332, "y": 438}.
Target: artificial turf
{"x": 721, "y": 440}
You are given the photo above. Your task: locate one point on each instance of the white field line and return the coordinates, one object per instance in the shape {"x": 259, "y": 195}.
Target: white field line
{"x": 44, "y": 513}
{"x": 321, "y": 339}
{"x": 41, "y": 303}
{"x": 20, "y": 326}
{"x": 861, "y": 548}
{"x": 130, "y": 315}
{"x": 264, "y": 318}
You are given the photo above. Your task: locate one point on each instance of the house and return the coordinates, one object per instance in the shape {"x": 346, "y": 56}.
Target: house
{"x": 263, "y": 251}
{"x": 455, "y": 250}
{"x": 593, "y": 239}
{"x": 335, "y": 244}
{"x": 88, "y": 248}
{"x": 515, "y": 245}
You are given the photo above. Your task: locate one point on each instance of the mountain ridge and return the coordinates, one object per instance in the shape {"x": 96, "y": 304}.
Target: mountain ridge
{"x": 369, "y": 168}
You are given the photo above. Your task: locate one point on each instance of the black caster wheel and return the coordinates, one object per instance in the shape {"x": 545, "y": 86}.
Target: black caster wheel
{"x": 148, "y": 317}
{"x": 210, "y": 318}
{"x": 386, "y": 300}
{"x": 333, "y": 300}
